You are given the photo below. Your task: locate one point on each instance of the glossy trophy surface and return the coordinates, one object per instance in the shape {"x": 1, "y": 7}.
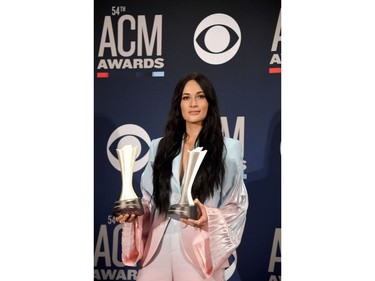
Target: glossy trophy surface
{"x": 128, "y": 201}
{"x": 186, "y": 208}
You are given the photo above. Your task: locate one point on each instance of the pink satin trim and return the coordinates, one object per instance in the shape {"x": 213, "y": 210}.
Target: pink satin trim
{"x": 132, "y": 241}
{"x": 212, "y": 247}
{"x": 132, "y": 245}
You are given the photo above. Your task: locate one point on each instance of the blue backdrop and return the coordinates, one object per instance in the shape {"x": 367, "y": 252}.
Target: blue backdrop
{"x": 141, "y": 49}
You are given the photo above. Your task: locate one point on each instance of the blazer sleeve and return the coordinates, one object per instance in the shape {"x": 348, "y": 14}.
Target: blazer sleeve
{"x": 213, "y": 246}
{"x": 134, "y": 234}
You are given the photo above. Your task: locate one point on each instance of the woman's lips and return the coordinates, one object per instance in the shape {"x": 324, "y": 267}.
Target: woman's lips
{"x": 195, "y": 112}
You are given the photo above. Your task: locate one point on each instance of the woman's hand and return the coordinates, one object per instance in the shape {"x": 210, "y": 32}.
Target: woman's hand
{"x": 202, "y": 220}
{"x": 126, "y": 218}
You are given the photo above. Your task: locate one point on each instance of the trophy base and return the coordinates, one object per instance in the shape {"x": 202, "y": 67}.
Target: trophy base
{"x": 129, "y": 206}
{"x": 178, "y": 211}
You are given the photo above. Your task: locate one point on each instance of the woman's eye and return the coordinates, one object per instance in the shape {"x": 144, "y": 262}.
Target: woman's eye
{"x": 185, "y": 98}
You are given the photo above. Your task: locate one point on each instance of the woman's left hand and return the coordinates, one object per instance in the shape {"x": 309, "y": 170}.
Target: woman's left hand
{"x": 202, "y": 220}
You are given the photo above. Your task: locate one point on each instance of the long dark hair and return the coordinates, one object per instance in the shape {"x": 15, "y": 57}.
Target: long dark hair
{"x": 211, "y": 172}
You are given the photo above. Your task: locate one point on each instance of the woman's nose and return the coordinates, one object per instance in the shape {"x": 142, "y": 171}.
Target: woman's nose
{"x": 193, "y": 102}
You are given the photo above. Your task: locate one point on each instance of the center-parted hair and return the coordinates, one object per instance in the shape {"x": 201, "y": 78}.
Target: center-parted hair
{"x": 211, "y": 172}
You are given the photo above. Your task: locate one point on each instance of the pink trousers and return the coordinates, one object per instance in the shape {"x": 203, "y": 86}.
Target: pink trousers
{"x": 170, "y": 262}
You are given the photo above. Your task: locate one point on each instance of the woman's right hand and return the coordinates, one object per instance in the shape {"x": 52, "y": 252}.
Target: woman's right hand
{"x": 126, "y": 218}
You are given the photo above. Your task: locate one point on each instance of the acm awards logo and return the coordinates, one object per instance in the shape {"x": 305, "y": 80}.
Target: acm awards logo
{"x": 274, "y": 267}
{"x": 130, "y": 41}
{"x": 135, "y": 41}
{"x": 275, "y": 61}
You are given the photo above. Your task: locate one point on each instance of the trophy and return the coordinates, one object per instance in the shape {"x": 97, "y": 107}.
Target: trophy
{"x": 186, "y": 208}
{"x": 129, "y": 201}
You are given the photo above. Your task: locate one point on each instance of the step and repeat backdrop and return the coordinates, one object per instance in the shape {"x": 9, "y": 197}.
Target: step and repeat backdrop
{"x": 141, "y": 49}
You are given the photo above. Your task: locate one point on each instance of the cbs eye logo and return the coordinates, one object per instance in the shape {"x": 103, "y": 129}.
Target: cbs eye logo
{"x": 217, "y": 39}
{"x": 129, "y": 134}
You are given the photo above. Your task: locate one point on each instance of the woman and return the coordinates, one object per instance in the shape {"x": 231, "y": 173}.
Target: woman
{"x": 188, "y": 249}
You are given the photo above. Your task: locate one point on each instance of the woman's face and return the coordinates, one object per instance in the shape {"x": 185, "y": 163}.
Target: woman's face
{"x": 194, "y": 105}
